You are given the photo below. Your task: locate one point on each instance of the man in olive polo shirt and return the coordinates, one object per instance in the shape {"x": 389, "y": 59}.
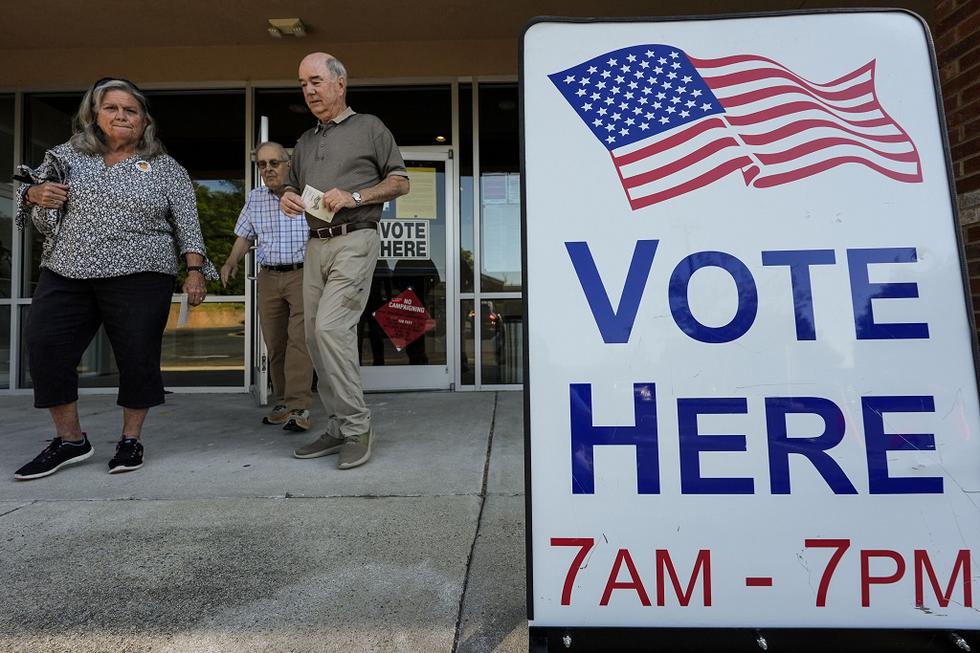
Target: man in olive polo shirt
{"x": 353, "y": 160}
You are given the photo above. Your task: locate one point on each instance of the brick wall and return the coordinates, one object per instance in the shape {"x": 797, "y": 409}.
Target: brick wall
{"x": 957, "y": 37}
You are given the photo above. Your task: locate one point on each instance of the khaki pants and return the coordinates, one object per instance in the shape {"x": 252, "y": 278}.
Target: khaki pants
{"x": 336, "y": 280}
{"x": 281, "y": 314}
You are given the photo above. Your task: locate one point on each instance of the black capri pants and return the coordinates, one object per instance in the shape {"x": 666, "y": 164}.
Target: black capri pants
{"x": 65, "y": 316}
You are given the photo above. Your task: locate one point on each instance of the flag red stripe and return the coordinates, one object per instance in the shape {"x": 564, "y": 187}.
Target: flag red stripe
{"x": 802, "y": 125}
{"x": 750, "y": 173}
{"x": 799, "y": 107}
{"x": 768, "y": 181}
{"x": 744, "y": 76}
{"x": 740, "y": 58}
{"x": 865, "y": 88}
{"x": 870, "y": 105}
{"x": 711, "y": 176}
{"x": 669, "y": 142}
{"x": 685, "y": 161}
{"x": 823, "y": 143}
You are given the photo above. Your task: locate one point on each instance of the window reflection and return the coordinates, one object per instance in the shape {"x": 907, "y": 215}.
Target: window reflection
{"x": 219, "y": 202}
{"x": 500, "y": 234}
{"x": 500, "y": 198}
{"x": 205, "y": 132}
{"x": 5, "y": 348}
{"x": 6, "y": 196}
{"x": 204, "y": 345}
{"x": 465, "y": 148}
{"x": 47, "y": 123}
{"x": 501, "y": 340}
{"x": 467, "y": 345}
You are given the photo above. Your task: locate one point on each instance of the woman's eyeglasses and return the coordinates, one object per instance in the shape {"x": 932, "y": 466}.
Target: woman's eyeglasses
{"x": 271, "y": 163}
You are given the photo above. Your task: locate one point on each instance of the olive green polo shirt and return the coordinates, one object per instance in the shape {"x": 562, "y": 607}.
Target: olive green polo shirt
{"x": 351, "y": 152}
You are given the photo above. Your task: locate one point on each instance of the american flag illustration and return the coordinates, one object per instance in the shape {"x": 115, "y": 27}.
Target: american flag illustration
{"x": 674, "y": 123}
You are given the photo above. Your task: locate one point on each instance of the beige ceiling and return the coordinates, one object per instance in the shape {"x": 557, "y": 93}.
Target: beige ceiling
{"x": 62, "y": 43}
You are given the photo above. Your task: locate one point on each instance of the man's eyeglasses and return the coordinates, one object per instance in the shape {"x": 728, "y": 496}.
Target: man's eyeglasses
{"x": 271, "y": 163}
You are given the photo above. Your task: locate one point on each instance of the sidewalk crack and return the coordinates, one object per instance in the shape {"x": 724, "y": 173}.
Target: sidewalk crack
{"x": 479, "y": 523}
{"x": 13, "y": 510}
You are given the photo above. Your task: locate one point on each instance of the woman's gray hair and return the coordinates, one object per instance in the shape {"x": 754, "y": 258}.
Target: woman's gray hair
{"x": 88, "y": 136}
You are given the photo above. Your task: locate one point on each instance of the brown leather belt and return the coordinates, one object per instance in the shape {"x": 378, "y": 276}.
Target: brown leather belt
{"x": 283, "y": 268}
{"x": 341, "y": 229}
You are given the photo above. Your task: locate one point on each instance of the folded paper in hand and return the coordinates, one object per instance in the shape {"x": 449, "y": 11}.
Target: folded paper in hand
{"x": 313, "y": 199}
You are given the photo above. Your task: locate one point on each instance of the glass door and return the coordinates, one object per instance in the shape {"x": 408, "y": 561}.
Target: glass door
{"x": 405, "y": 334}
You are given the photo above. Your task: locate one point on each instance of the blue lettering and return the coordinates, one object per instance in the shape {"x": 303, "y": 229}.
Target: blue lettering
{"x": 614, "y": 327}
{"x": 680, "y": 308}
{"x": 585, "y": 436}
{"x": 799, "y": 262}
{"x": 814, "y": 448}
{"x": 878, "y": 444}
{"x": 863, "y": 291}
{"x": 692, "y": 444}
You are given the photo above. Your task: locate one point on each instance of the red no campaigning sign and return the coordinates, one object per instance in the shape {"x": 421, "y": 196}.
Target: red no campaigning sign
{"x": 404, "y": 319}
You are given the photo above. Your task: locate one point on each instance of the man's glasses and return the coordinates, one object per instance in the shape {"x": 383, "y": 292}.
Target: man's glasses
{"x": 271, "y": 163}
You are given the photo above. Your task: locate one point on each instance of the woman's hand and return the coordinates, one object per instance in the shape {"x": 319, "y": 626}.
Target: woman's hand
{"x": 48, "y": 195}
{"x": 195, "y": 287}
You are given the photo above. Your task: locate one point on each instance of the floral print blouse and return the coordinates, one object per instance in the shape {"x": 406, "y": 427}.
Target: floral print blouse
{"x": 135, "y": 216}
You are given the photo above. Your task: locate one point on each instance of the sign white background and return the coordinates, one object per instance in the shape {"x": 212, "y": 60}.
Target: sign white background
{"x": 405, "y": 240}
{"x": 573, "y": 194}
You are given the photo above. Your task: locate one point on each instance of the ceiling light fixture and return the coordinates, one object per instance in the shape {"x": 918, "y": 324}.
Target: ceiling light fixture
{"x": 279, "y": 27}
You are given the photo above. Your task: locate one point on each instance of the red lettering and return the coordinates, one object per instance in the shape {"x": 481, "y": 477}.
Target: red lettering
{"x": 828, "y": 572}
{"x": 867, "y": 580}
{"x": 702, "y": 564}
{"x": 922, "y": 563}
{"x": 585, "y": 545}
{"x": 634, "y": 584}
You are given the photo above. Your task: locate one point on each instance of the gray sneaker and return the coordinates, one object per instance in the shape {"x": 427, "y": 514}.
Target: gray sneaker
{"x": 324, "y": 445}
{"x": 278, "y": 415}
{"x": 356, "y": 450}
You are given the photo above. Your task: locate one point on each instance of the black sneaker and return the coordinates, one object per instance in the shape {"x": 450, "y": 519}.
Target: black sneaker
{"x": 129, "y": 456}
{"x": 58, "y": 454}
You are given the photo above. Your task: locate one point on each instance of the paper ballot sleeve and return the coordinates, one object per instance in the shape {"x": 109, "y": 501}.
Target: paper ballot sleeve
{"x": 313, "y": 199}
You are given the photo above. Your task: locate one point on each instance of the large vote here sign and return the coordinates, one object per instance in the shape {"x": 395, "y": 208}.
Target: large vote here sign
{"x": 752, "y": 397}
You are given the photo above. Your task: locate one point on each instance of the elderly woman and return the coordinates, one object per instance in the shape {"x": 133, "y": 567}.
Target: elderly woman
{"x": 115, "y": 226}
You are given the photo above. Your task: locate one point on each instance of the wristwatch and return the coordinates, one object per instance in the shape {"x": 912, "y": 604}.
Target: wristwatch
{"x": 357, "y": 198}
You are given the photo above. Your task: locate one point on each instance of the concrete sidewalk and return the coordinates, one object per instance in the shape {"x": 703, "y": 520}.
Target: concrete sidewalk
{"x": 225, "y": 543}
